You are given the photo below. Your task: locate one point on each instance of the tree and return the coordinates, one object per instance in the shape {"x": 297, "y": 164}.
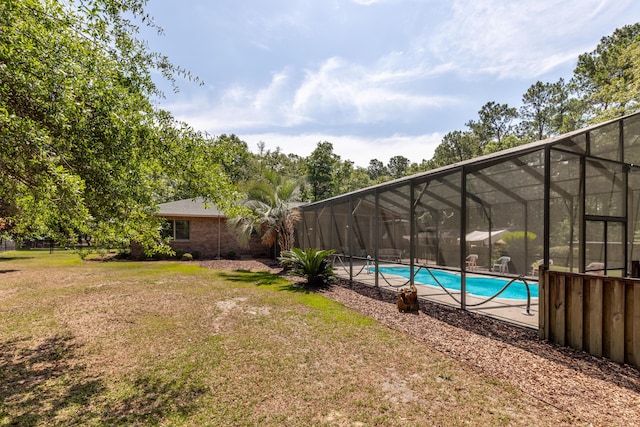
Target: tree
{"x": 272, "y": 213}
{"x": 376, "y": 169}
{"x": 320, "y": 168}
{"x": 605, "y": 76}
{"x": 233, "y": 155}
{"x": 455, "y": 147}
{"x": 398, "y": 166}
{"x": 495, "y": 122}
{"x": 88, "y": 151}
{"x": 538, "y": 110}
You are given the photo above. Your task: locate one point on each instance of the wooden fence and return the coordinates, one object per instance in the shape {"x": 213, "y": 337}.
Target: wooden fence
{"x": 597, "y": 314}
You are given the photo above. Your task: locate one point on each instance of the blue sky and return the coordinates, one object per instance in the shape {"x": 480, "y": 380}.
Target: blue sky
{"x": 376, "y": 78}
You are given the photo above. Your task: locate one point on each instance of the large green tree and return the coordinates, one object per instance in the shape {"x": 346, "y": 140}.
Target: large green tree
{"x": 455, "y": 147}
{"x": 82, "y": 146}
{"x": 495, "y": 121}
{"x": 398, "y": 166}
{"x": 606, "y": 77}
{"x": 320, "y": 171}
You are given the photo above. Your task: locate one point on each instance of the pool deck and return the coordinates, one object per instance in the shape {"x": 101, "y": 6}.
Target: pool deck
{"x": 508, "y": 310}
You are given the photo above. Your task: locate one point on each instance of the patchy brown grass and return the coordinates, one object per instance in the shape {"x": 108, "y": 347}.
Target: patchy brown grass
{"x": 168, "y": 343}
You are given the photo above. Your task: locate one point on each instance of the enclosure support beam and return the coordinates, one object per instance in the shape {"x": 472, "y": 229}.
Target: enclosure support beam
{"x": 412, "y": 230}
{"x": 463, "y": 240}
{"x": 547, "y": 206}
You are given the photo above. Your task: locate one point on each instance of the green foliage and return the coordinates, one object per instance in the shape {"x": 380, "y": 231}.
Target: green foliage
{"x": 313, "y": 264}
{"x": 606, "y": 78}
{"x": 398, "y": 166}
{"x": 320, "y": 167}
{"x": 85, "y": 151}
{"x": 495, "y": 122}
{"x": 455, "y": 147}
{"x": 376, "y": 169}
{"x": 518, "y": 236}
{"x": 270, "y": 211}
{"x": 186, "y": 257}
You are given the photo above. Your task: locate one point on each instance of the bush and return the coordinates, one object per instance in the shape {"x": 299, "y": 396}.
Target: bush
{"x": 196, "y": 254}
{"x": 231, "y": 255}
{"x": 313, "y": 264}
{"x": 186, "y": 257}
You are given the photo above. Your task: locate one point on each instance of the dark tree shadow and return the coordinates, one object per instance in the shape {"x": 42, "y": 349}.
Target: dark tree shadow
{"x": 36, "y": 384}
{"x": 264, "y": 278}
{"x": 258, "y": 278}
{"x": 48, "y": 385}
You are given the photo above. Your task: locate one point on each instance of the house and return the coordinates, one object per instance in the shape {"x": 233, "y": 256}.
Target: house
{"x": 202, "y": 231}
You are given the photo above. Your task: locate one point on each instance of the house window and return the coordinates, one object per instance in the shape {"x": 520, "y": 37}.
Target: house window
{"x": 177, "y": 229}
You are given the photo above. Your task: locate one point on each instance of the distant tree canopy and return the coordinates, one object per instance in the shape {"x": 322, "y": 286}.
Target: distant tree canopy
{"x": 83, "y": 149}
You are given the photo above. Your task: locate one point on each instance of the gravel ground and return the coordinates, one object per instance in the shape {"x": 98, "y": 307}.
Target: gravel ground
{"x": 597, "y": 391}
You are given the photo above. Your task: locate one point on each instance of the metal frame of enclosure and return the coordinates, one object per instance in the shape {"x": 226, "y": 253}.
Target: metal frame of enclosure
{"x": 570, "y": 203}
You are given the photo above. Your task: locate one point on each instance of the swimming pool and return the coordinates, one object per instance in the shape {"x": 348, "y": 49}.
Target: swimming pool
{"x": 476, "y": 285}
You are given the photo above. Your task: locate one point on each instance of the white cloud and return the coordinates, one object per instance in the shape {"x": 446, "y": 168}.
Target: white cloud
{"x": 362, "y": 95}
{"x": 337, "y": 93}
{"x": 522, "y": 39}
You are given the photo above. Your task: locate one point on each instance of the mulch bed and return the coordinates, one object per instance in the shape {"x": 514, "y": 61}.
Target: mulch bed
{"x": 593, "y": 390}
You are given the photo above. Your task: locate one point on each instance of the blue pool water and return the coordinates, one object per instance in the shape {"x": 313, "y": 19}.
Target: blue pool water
{"x": 480, "y": 286}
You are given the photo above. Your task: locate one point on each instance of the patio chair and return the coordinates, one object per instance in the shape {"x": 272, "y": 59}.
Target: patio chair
{"x": 502, "y": 264}
{"x": 471, "y": 262}
{"x": 536, "y": 266}
{"x": 595, "y": 268}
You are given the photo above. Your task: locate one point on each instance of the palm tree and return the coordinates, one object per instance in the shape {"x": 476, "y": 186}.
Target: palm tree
{"x": 273, "y": 214}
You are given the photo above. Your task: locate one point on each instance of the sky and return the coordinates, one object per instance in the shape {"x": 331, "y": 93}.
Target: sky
{"x": 376, "y": 78}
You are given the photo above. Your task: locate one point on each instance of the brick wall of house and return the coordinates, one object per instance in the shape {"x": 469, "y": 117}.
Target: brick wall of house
{"x": 203, "y": 237}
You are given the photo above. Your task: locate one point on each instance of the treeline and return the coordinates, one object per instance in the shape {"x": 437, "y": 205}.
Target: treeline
{"x": 605, "y": 84}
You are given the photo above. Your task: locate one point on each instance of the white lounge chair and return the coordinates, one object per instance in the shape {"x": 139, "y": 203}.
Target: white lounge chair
{"x": 595, "y": 268}
{"x": 471, "y": 262}
{"x": 536, "y": 266}
{"x": 502, "y": 264}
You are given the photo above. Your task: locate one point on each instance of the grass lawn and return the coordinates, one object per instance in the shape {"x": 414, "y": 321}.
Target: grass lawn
{"x": 170, "y": 343}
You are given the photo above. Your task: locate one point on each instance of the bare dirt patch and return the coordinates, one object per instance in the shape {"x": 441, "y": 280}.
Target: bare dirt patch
{"x": 596, "y": 391}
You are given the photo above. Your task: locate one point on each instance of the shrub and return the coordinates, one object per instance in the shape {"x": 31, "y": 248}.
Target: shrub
{"x": 187, "y": 257}
{"x": 231, "y": 255}
{"x": 312, "y": 264}
{"x": 196, "y": 254}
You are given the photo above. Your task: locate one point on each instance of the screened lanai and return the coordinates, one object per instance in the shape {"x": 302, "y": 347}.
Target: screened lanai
{"x": 569, "y": 203}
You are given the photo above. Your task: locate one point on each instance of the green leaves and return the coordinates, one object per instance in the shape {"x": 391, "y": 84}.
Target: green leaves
{"x": 607, "y": 77}
{"x": 83, "y": 149}
{"x": 313, "y": 264}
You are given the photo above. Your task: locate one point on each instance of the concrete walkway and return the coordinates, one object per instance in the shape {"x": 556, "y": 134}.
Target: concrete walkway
{"x": 508, "y": 310}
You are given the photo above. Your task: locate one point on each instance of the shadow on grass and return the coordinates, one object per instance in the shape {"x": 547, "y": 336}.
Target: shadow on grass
{"x": 264, "y": 278}
{"x": 258, "y": 278}
{"x": 37, "y": 384}
{"x": 48, "y": 385}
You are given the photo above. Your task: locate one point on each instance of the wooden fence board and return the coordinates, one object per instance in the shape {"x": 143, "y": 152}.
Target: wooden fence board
{"x": 617, "y": 322}
{"x": 598, "y": 314}
{"x": 558, "y": 320}
{"x": 543, "y": 296}
{"x": 575, "y": 313}
{"x": 635, "y": 327}
{"x": 594, "y": 314}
